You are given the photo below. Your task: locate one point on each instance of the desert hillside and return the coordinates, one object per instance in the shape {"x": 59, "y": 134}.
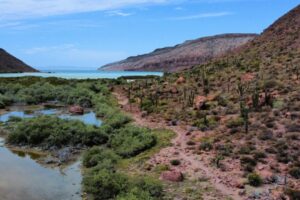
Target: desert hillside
{"x": 9, "y": 63}
{"x": 183, "y": 56}
{"x": 237, "y": 118}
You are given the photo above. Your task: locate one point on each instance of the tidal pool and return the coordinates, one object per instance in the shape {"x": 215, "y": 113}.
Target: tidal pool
{"x": 88, "y": 118}
{"x": 22, "y": 178}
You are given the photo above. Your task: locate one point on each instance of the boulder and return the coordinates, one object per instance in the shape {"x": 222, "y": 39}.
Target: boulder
{"x": 248, "y": 77}
{"x": 78, "y": 110}
{"x": 173, "y": 176}
{"x": 180, "y": 80}
{"x": 199, "y": 102}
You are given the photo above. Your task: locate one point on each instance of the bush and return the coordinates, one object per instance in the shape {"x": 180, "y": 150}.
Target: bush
{"x": 233, "y": 123}
{"x": 206, "y": 146}
{"x": 135, "y": 194}
{"x": 248, "y": 163}
{"x": 52, "y": 131}
{"x": 97, "y": 155}
{"x": 175, "y": 162}
{"x": 258, "y": 155}
{"x": 130, "y": 141}
{"x": 150, "y": 185}
{"x": 104, "y": 184}
{"x": 293, "y": 194}
{"x": 254, "y": 179}
{"x": 117, "y": 120}
{"x": 295, "y": 172}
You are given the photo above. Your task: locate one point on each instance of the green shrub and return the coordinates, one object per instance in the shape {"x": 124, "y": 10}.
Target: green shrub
{"x": 104, "y": 184}
{"x": 175, "y": 162}
{"x": 130, "y": 141}
{"x": 206, "y": 146}
{"x": 233, "y": 123}
{"x": 53, "y": 131}
{"x": 254, "y": 180}
{"x": 150, "y": 185}
{"x": 117, "y": 120}
{"x": 96, "y": 155}
{"x": 135, "y": 194}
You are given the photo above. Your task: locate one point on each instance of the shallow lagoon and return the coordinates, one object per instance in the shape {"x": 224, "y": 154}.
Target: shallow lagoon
{"x": 22, "y": 178}
{"x": 83, "y": 74}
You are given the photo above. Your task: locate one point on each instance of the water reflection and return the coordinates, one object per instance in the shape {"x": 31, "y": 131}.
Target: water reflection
{"x": 22, "y": 178}
{"x": 88, "y": 118}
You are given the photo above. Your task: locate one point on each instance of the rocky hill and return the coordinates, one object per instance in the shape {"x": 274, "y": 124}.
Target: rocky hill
{"x": 277, "y": 46}
{"x": 9, "y": 63}
{"x": 183, "y": 56}
{"x": 241, "y": 114}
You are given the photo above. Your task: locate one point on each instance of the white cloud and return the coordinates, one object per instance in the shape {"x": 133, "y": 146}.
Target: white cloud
{"x": 23, "y": 9}
{"x": 202, "y": 15}
{"x": 119, "y": 13}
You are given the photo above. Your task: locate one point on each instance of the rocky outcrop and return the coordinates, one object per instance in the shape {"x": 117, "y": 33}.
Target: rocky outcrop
{"x": 10, "y": 64}
{"x": 183, "y": 56}
{"x": 77, "y": 110}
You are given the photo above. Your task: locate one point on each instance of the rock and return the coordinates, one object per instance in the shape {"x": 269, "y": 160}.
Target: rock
{"x": 78, "y": 110}
{"x": 180, "y": 80}
{"x": 242, "y": 192}
{"x": 144, "y": 114}
{"x": 173, "y": 176}
{"x": 50, "y": 160}
{"x": 64, "y": 154}
{"x": 199, "y": 102}
{"x": 174, "y": 90}
{"x": 192, "y": 128}
{"x": 247, "y": 77}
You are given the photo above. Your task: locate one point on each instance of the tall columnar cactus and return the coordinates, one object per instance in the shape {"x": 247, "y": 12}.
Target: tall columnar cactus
{"x": 205, "y": 82}
{"x": 255, "y": 98}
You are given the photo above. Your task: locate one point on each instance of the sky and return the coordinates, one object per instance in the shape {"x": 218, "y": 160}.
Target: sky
{"x": 86, "y": 34}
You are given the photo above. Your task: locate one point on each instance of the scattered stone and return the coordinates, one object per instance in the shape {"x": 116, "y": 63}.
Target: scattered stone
{"x": 50, "y": 160}
{"x": 242, "y": 192}
{"x": 64, "y": 154}
{"x": 144, "y": 114}
{"x": 173, "y": 176}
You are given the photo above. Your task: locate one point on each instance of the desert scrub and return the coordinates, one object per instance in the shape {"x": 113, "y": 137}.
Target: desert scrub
{"x": 50, "y": 131}
{"x": 233, "y": 123}
{"x": 206, "y": 146}
{"x": 103, "y": 181}
{"x": 254, "y": 179}
{"x": 295, "y": 172}
{"x": 130, "y": 141}
{"x": 293, "y": 194}
{"x": 175, "y": 162}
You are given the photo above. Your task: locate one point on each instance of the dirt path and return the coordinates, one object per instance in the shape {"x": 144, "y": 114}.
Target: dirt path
{"x": 190, "y": 163}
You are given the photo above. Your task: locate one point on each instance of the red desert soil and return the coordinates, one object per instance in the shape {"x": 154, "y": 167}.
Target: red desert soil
{"x": 192, "y": 164}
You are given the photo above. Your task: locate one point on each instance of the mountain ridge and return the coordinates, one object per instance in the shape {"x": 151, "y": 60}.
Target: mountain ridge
{"x": 184, "y": 55}
{"x": 11, "y": 64}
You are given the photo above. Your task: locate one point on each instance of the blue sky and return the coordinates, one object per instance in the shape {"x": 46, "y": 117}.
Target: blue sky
{"x": 86, "y": 34}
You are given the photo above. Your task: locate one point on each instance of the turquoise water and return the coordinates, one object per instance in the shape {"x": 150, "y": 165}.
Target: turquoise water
{"x": 88, "y": 118}
{"x": 82, "y": 74}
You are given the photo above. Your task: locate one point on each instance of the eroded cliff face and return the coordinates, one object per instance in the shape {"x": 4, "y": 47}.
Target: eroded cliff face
{"x": 10, "y": 64}
{"x": 183, "y": 56}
